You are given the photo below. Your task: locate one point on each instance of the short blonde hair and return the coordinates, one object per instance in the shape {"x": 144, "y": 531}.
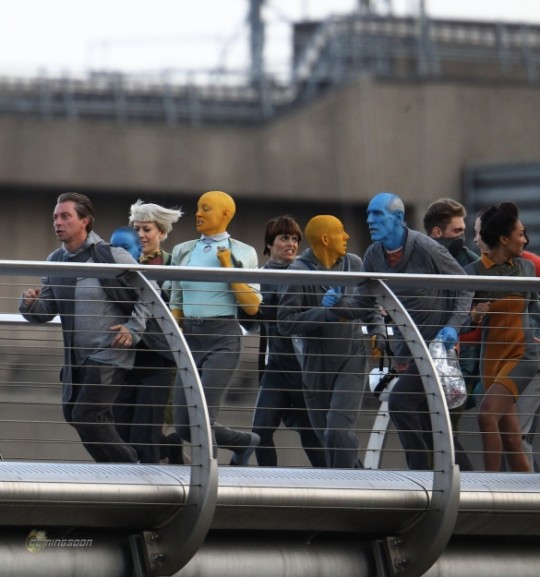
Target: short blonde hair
{"x": 164, "y": 218}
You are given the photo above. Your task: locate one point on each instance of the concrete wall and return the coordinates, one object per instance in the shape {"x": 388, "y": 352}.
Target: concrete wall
{"x": 330, "y": 156}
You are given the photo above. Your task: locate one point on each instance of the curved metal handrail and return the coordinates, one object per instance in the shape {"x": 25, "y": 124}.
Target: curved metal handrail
{"x": 414, "y": 551}
{"x": 168, "y": 548}
{"x": 411, "y": 551}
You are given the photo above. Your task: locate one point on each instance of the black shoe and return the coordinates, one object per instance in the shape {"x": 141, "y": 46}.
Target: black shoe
{"x": 241, "y": 458}
{"x": 175, "y": 449}
{"x": 163, "y": 447}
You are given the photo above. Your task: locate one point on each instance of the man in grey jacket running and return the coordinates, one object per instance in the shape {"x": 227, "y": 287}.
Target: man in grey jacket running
{"x": 99, "y": 336}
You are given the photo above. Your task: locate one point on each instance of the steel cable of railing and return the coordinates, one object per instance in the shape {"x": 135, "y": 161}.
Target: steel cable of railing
{"x": 192, "y": 522}
{"x": 29, "y": 373}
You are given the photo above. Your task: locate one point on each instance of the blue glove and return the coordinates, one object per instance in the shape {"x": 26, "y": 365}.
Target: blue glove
{"x": 449, "y": 336}
{"x": 331, "y": 298}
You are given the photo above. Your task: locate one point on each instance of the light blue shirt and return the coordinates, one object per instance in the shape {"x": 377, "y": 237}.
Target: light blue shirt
{"x": 207, "y": 299}
{"x": 245, "y": 256}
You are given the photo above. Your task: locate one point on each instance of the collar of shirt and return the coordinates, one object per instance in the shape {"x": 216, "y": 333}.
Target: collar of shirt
{"x": 215, "y": 237}
{"x": 488, "y": 263}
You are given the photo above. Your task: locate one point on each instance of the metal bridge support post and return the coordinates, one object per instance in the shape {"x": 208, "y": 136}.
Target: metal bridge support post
{"x": 167, "y": 549}
{"x": 414, "y": 551}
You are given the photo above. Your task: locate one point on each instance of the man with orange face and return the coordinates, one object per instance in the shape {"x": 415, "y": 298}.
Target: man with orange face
{"x": 333, "y": 353}
{"x": 207, "y": 313}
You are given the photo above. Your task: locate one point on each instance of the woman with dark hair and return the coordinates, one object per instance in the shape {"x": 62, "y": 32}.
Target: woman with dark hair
{"x": 509, "y": 358}
{"x": 281, "y": 396}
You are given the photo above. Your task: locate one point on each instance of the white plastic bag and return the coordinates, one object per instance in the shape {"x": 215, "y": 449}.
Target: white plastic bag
{"x": 381, "y": 381}
{"x": 383, "y": 378}
{"x": 447, "y": 365}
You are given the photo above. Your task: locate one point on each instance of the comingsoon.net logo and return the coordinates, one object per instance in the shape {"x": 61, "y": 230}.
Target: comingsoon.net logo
{"x": 37, "y": 541}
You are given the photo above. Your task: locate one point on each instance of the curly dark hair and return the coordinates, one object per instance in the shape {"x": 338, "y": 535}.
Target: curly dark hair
{"x": 497, "y": 221}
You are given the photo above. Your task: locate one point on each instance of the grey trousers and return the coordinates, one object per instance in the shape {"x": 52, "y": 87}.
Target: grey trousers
{"x": 333, "y": 399}
{"x": 90, "y": 411}
{"x": 215, "y": 345}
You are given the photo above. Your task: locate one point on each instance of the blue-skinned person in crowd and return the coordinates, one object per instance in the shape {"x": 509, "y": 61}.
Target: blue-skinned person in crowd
{"x": 334, "y": 355}
{"x": 437, "y": 312}
{"x": 125, "y": 237}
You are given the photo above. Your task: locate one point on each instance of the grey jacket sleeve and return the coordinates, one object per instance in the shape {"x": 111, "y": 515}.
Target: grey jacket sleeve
{"x": 43, "y": 309}
{"x": 462, "y": 301}
{"x": 298, "y": 317}
{"x": 137, "y": 321}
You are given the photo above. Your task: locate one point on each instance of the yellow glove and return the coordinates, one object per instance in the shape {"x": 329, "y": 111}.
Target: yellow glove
{"x": 178, "y": 315}
{"x": 378, "y": 346}
{"x": 225, "y": 257}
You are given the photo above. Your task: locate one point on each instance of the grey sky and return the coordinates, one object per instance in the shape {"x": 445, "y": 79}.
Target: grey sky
{"x": 72, "y": 36}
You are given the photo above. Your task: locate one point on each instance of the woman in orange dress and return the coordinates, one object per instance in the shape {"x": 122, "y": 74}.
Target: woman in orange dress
{"x": 509, "y": 358}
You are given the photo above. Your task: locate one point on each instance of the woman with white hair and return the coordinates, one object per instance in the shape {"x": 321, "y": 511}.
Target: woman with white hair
{"x": 153, "y": 223}
{"x": 140, "y": 407}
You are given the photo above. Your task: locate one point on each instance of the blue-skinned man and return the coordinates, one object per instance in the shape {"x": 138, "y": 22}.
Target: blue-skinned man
{"x": 127, "y": 238}
{"x": 436, "y": 312}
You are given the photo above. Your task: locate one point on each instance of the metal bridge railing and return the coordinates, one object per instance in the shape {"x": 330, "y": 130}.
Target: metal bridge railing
{"x": 169, "y": 510}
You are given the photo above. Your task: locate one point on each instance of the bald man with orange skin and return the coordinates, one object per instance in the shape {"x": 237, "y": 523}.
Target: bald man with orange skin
{"x": 215, "y": 210}
{"x": 207, "y": 312}
{"x": 334, "y": 355}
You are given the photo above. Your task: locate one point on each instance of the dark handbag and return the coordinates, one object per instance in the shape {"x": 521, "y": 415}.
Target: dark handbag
{"x": 380, "y": 378}
{"x": 120, "y": 289}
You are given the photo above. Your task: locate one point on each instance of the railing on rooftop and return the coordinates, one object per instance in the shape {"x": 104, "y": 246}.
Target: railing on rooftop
{"x": 151, "y": 519}
{"x": 327, "y": 54}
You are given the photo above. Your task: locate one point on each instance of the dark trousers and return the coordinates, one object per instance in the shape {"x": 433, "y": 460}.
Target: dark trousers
{"x": 139, "y": 409}
{"x": 409, "y": 412}
{"x": 333, "y": 400}
{"x": 90, "y": 411}
{"x": 281, "y": 398}
{"x": 215, "y": 347}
